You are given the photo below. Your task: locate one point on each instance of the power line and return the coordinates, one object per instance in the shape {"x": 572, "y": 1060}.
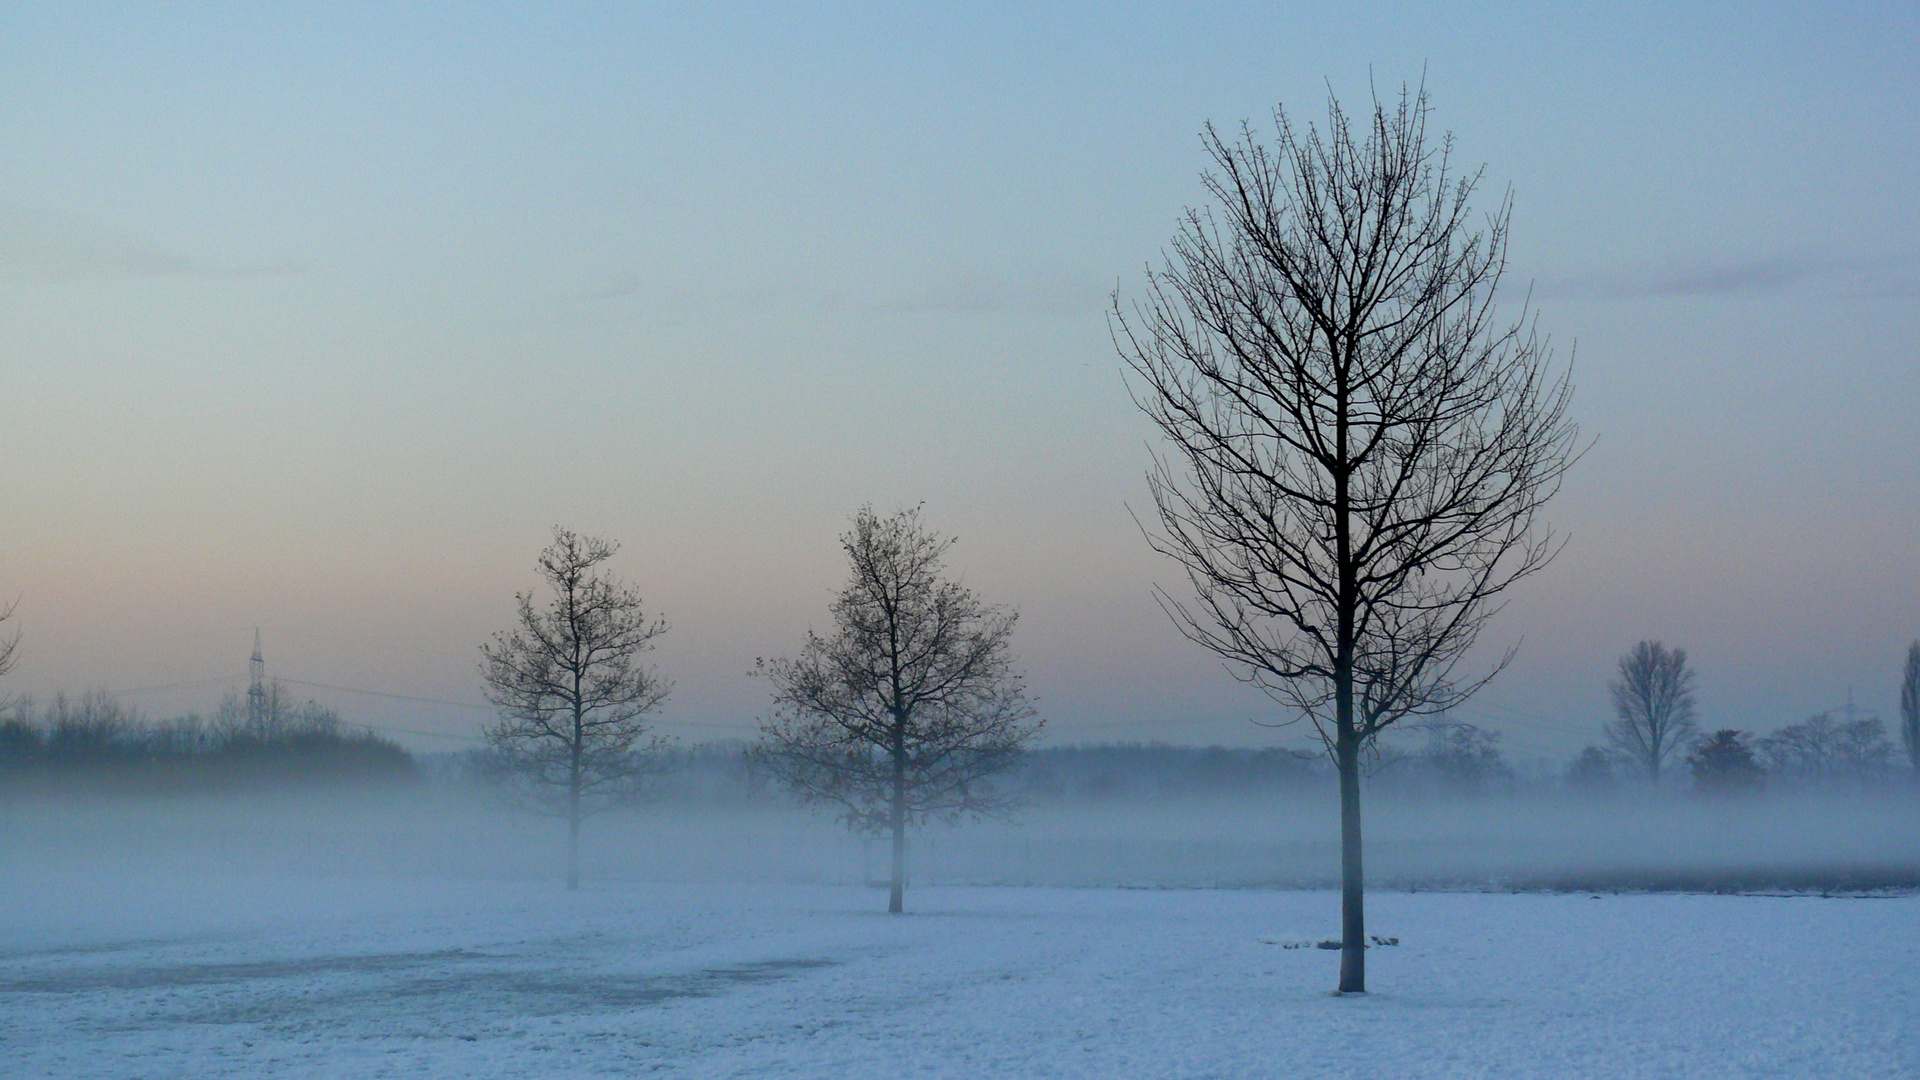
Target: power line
{"x": 489, "y": 708}
{"x": 386, "y": 730}
{"x": 378, "y": 728}
{"x": 383, "y": 694}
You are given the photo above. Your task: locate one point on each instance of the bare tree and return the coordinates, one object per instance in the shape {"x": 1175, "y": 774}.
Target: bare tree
{"x": 1822, "y": 751}
{"x": 1360, "y": 445}
{"x": 271, "y": 716}
{"x": 9, "y": 647}
{"x": 92, "y": 727}
{"x": 1462, "y": 758}
{"x": 1910, "y": 707}
{"x": 1652, "y": 706}
{"x": 572, "y": 694}
{"x": 912, "y": 704}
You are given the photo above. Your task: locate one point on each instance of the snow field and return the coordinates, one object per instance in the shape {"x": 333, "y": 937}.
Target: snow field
{"x": 247, "y": 976}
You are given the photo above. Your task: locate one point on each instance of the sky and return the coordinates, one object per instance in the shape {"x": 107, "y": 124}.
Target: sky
{"x": 318, "y": 318}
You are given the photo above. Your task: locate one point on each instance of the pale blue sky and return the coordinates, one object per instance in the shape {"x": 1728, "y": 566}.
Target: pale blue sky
{"x": 319, "y": 318}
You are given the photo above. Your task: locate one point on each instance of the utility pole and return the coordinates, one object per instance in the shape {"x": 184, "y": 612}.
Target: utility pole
{"x": 257, "y": 689}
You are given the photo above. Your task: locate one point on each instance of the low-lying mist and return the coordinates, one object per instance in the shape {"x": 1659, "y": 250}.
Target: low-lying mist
{"x": 1271, "y": 830}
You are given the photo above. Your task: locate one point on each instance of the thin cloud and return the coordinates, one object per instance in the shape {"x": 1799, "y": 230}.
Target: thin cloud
{"x": 981, "y": 295}
{"x": 40, "y": 246}
{"x": 970, "y": 295}
{"x": 695, "y": 298}
{"x": 955, "y": 295}
{"x": 615, "y": 287}
{"x": 1877, "y": 277}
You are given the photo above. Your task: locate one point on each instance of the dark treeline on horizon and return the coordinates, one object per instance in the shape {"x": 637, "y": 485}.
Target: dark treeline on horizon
{"x": 1442, "y": 760}
{"x": 93, "y": 743}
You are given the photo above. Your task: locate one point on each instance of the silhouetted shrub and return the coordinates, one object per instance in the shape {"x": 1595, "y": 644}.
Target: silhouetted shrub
{"x": 1725, "y": 765}
{"x": 21, "y": 747}
{"x": 1592, "y": 772}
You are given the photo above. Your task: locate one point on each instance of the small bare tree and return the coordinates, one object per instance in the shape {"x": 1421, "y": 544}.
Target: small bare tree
{"x": 9, "y": 647}
{"x": 572, "y": 694}
{"x": 1359, "y": 444}
{"x": 1653, "y": 707}
{"x": 1910, "y": 707}
{"x": 911, "y": 705}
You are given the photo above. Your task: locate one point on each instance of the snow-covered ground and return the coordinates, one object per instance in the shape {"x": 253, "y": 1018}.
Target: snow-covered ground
{"x": 211, "y": 975}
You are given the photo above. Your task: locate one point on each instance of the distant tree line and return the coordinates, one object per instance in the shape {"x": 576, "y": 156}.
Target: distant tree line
{"x": 735, "y": 772}
{"x": 1654, "y": 727}
{"x": 93, "y": 742}
{"x": 1456, "y": 759}
{"x": 1094, "y": 774}
{"x": 1821, "y": 752}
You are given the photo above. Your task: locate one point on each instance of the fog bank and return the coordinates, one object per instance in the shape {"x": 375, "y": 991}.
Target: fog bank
{"x": 1847, "y": 841}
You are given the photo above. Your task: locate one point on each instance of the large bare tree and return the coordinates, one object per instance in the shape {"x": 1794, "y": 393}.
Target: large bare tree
{"x": 1910, "y": 708}
{"x": 1359, "y": 444}
{"x": 571, "y": 691}
{"x": 911, "y": 704}
{"x": 1652, "y": 707}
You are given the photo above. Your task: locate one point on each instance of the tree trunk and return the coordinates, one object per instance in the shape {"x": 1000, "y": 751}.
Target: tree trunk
{"x": 573, "y": 843}
{"x": 1353, "y": 913}
{"x": 896, "y": 897}
{"x": 573, "y": 784}
{"x": 573, "y": 816}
